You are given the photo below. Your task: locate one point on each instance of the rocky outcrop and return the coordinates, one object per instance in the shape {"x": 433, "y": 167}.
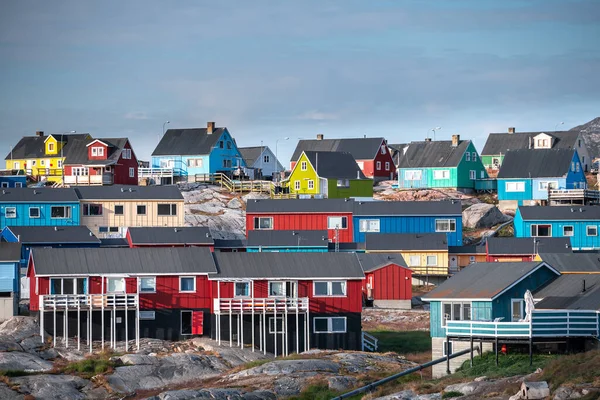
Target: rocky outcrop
{"x": 19, "y": 361}
{"x": 214, "y": 394}
{"x": 483, "y": 216}
{"x": 410, "y": 395}
{"x": 52, "y": 387}
{"x": 21, "y": 334}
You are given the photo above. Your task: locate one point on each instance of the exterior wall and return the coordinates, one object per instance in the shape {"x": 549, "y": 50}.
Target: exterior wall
{"x": 45, "y": 218}
{"x": 520, "y": 197}
{"x": 487, "y": 160}
{"x": 391, "y": 282}
{"x": 121, "y": 170}
{"x": 39, "y": 169}
{"x": 463, "y": 179}
{"x": 576, "y": 176}
{"x": 404, "y": 183}
{"x": 441, "y": 268}
{"x": 510, "y": 257}
{"x": 358, "y": 188}
{"x": 464, "y": 260}
{"x": 267, "y": 249}
{"x": 12, "y": 180}
{"x": 542, "y": 194}
{"x": 97, "y": 145}
{"x": 218, "y": 155}
{"x": 303, "y": 177}
{"x": 268, "y": 168}
{"x": 439, "y": 370}
{"x": 371, "y": 170}
{"x": 9, "y": 277}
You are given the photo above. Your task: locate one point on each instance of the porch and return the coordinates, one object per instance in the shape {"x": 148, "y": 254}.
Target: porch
{"x": 103, "y": 179}
{"x": 156, "y": 176}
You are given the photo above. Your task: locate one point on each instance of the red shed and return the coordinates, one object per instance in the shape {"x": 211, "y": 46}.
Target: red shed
{"x": 388, "y": 280}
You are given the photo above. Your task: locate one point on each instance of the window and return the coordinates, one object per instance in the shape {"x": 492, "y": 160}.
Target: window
{"x": 98, "y": 151}
{"x": 369, "y": 225}
{"x": 446, "y": 348}
{"x": 119, "y": 210}
{"x": 568, "y": 230}
{"x": 226, "y": 163}
{"x": 387, "y": 165}
{"x": 445, "y": 225}
{"x": 141, "y": 210}
{"x": 573, "y": 166}
{"x": 330, "y": 288}
{"x": 33, "y": 163}
{"x": 337, "y": 222}
{"x": 441, "y": 174}
{"x": 221, "y": 144}
{"x": 412, "y": 175}
{"x": 10, "y": 212}
{"x": 148, "y": 285}
{"x": 343, "y": 183}
{"x": 80, "y": 171}
{"x": 60, "y": 212}
{"x": 415, "y": 261}
{"x": 482, "y": 174}
{"x": 131, "y": 172}
{"x": 296, "y": 185}
{"x": 276, "y": 289}
{"x": 187, "y": 284}
{"x": 276, "y": 325}
{"x": 126, "y": 154}
{"x": 103, "y": 229}
{"x": 186, "y": 322}
{"x": 34, "y": 212}
{"x": 515, "y": 186}
{"x": 18, "y": 184}
{"x": 167, "y": 209}
{"x": 474, "y": 156}
{"x": 517, "y": 306}
{"x": 311, "y": 184}
{"x": 541, "y": 230}
{"x": 303, "y": 166}
{"x": 4, "y": 184}
{"x": 329, "y": 325}
{"x": 242, "y": 289}
{"x": 195, "y": 162}
{"x": 382, "y": 149}
{"x": 68, "y": 286}
{"x": 228, "y": 145}
{"x": 50, "y": 146}
{"x": 592, "y": 230}
{"x": 471, "y": 259}
{"x": 263, "y": 222}
{"x": 545, "y": 185}
{"x": 115, "y": 285}
{"x": 472, "y": 175}
{"x": 113, "y": 229}
{"x": 576, "y": 167}
{"x": 431, "y": 261}
{"x": 92, "y": 210}
{"x": 266, "y": 159}
{"x": 16, "y": 165}
{"x": 59, "y": 163}
{"x": 378, "y": 165}
{"x": 468, "y": 156}
{"x": 148, "y": 315}
{"x": 456, "y": 312}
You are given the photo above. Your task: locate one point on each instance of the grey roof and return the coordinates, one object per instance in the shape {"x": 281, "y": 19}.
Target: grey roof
{"x": 575, "y": 213}
{"x": 483, "y": 280}
{"x": 299, "y": 206}
{"x": 347, "y": 246}
{"x": 566, "y": 292}
{"x": 34, "y": 146}
{"x": 168, "y": 235}
{"x": 288, "y": 265}
{"x": 467, "y": 249}
{"x": 54, "y": 234}
{"x": 572, "y": 262}
{"x": 38, "y": 195}
{"x": 335, "y": 165}
{"x": 10, "y": 252}
{"x": 113, "y": 242}
{"x": 540, "y": 163}
{"x": 372, "y": 261}
{"x": 192, "y": 141}
{"x": 431, "y": 154}
{"x": 406, "y": 241}
{"x": 502, "y": 142}
{"x": 397, "y": 208}
{"x": 138, "y": 261}
{"x": 229, "y": 244}
{"x": 251, "y": 154}
{"x": 360, "y": 148}
{"x": 525, "y": 245}
{"x": 77, "y": 153}
{"x": 127, "y": 192}
{"x": 272, "y": 238}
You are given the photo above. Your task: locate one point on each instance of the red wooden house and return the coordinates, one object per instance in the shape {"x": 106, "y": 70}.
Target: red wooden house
{"x": 170, "y": 237}
{"x": 388, "y": 280}
{"x": 371, "y": 154}
{"x": 304, "y": 214}
{"x": 511, "y": 249}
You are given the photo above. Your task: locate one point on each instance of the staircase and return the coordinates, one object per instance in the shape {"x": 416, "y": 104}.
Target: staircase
{"x": 368, "y": 342}
{"x": 242, "y": 186}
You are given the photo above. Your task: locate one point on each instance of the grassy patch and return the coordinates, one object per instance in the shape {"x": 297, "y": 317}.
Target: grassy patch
{"x": 450, "y": 395}
{"x": 13, "y": 373}
{"x": 319, "y": 391}
{"x": 573, "y": 369}
{"x": 404, "y": 342}
{"x": 508, "y": 365}
{"x": 507, "y": 231}
{"x": 90, "y": 366}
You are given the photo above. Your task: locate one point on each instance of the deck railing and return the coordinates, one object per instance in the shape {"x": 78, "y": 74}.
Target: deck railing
{"x": 105, "y": 179}
{"x": 155, "y": 172}
{"x": 95, "y": 301}
{"x": 268, "y": 305}
{"x": 488, "y": 328}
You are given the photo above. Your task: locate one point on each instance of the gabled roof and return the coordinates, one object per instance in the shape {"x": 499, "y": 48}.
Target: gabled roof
{"x": 567, "y": 292}
{"x": 188, "y": 235}
{"x": 33, "y": 146}
{"x": 106, "y": 261}
{"x": 572, "y": 262}
{"x": 502, "y": 142}
{"x": 251, "y": 154}
{"x": 401, "y": 208}
{"x": 564, "y": 213}
{"x": 10, "y": 252}
{"x": 334, "y": 165}
{"x": 77, "y": 153}
{"x": 433, "y": 154}
{"x": 467, "y": 249}
{"x": 272, "y": 206}
{"x": 271, "y": 238}
{"x": 373, "y": 261}
{"x": 187, "y": 142}
{"x": 484, "y": 280}
{"x": 538, "y": 163}
{"x": 270, "y": 265}
{"x": 528, "y": 246}
{"x": 360, "y": 148}
{"x": 127, "y": 192}
{"x": 54, "y": 234}
{"x": 38, "y": 195}
{"x": 406, "y": 241}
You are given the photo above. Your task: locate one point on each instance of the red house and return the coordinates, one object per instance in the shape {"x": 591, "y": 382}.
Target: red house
{"x": 100, "y": 162}
{"x": 186, "y": 236}
{"x": 371, "y": 154}
{"x": 388, "y": 280}
{"x": 511, "y": 249}
{"x": 302, "y": 214}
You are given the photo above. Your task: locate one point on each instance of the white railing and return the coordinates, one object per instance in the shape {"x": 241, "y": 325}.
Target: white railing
{"x": 368, "y": 342}
{"x": 155, "y": 172}
{"x": 105, "y": 179}
{"x": 558, "y": 193}
{"x": 95, "y": 301}
{"x": 269, "y": 305}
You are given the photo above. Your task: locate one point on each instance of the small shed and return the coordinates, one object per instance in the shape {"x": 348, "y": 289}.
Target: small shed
{"x": 388, "y": 281}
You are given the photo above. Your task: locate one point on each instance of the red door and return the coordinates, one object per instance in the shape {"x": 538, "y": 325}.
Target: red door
{"x": 197, "y": 323}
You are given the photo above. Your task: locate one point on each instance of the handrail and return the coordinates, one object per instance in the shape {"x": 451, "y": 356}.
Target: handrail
{"x": 249, "y": 304}
{"x": 64, "y": 301}
{"x": 368, "y": 341}
{"x": 488, "y": 328}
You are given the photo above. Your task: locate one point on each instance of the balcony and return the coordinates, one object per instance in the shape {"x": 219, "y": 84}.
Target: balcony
{"x": 155, "y": 172}
{"x": 105, "y": 179}
{"x": 430, "y": 271}
{"x": 268, "y": 305}
{"x": 118, "y": 301}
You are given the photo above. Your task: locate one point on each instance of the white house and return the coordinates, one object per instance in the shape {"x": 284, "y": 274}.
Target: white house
{"x": 260, "y": 162}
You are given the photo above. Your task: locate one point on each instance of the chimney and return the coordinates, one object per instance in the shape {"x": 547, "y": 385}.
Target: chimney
{"x": 530, "y": 142}
{"x": 455, "y": 140}
{"x": 320, "y": 136}
{"x": 39, "y": 133}
{"x": 511, "y": 129}
{"x": 210, "y": 128}
{"x": 428, "y": 139}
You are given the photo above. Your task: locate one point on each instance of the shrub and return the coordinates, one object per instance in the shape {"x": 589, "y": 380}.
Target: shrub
{"x": 449, "y": 395}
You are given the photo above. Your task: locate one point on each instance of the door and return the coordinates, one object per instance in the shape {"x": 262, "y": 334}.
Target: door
{"x": 197, "y": 322}
{"x": 454, "y": 263}
{"x": 323, "y": 187}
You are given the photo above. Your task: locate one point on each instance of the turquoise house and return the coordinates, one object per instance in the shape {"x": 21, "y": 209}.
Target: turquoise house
{"x": 10, "y": 257}
{"x": 198, "y": 151}
{"x": 310, "y": 241}
{"x": 39, "y": 207}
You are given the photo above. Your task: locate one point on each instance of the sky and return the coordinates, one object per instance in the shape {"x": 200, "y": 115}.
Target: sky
{"x": 268, "y": 70}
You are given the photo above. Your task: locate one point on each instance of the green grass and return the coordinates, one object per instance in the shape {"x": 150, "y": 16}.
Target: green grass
{"x": 508, "y": 365}
{"x": 13, "y": 373}
{"x": 90, "y": 367}
{"x": 405, "y": 342}
{"x": 449, "y": 395}
{"x": 319, "y": 391}
{"x": 573, "y": 369}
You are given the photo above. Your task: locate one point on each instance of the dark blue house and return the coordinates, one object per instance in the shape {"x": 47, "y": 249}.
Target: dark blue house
{"x": 12, "y": 179}
{"x": 39, "y": 207}
{"x": 287, "y": 241}
{"x": 9, "y": 280}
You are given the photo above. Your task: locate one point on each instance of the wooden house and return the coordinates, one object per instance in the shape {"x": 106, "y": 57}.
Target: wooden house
{"x": 579, "y": 224}
{"x": 307, "y": 241}
{"x": 10, "y": 178}
{"x": 10, "y": 260}
{"x": 39, "y": 207}
{"x": 260, "y": 162}
{"x": 388, "y": 280}
{"x": 460, "y": 257}
{"x": 514, "y": 249}
{"x": 109, "y": 210}
{"x": 187, "y": 236}
{"x": 332, "y": 175}
{"x": 371, "y": 154}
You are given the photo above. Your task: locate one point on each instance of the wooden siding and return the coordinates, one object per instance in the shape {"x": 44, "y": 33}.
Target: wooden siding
{"x": 435, "y": 319}
{"x": 520, "y": 197}
{"x": 45, "y": 218}
{"x": 358, "y": 188}
{"x": 391, "y": 282}
{"x": 9, "y": 277}
{"x": 370, "y": 170}
{"x": 441, "y": 268}
{"x": 463, "y": 179}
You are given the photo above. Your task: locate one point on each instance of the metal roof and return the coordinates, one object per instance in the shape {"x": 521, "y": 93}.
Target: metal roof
{"x": 296, "y": 238}
{"x": 138, "y": 261}
{"x": 406, "y": 241}
{"x": 567, "y": 292}
{"x": 128, "y": 192}
{"x": 114, "y": 242}
{"x": 54, "y": 234}
{"x": 572, "y": 262}
{"x": 251, "y": 154}
{"x": 360, "y": 148}
{"x": 502, "y": 142}
{"x": 34, "y": 146}
{"x": 169, "y": 235}
{"x": 38, "y": 195}
{"x": 334, "y": 165}
{"x": 562, "y": 213}
{"x": 229, "y": 244}
{"x": 10, "y": 252}
{"x": 467, "y": 249}
{"x": 397, "y": 208}
{"x": 538, "y": 163}
{"x": 192, "y": 141}
{"x": 255, "y": 206}
{"x": 528, "y": 246}
{"x": 432, "y": 154}
{"x": 77, "y": 153}
{"x": 270, "y": 265}
{"x": 372, "y": 261}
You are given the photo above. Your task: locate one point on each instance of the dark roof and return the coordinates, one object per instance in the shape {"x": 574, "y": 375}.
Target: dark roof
{"x": 38, "y": 195}
{"x": 483, "y": 280}
{"x": 113, "y": 242}
{"x": 397, "y": 208}
{"x": 300, "y": 206}
{"x": 10, "y": 252}
{"x": 573, "y": 262}
{"x": 126, "y": 192}
{"x": 192, "y": 141}
{"x": 229, "y": 244}
{"x": 334, "y": 165}
{"x": 502, "y": 142}
{"x": 347, "y": 246}
{"x": 270, "y": 238}
{"x": 526, "y": 246}
{"x": 560, "y": 213}
{"x": 251, "y": 154}
{"x": 288, "y": 265}
{"x": 539, "y": 163}
{"x": 566, "y": 292}
{"x": 431, "y": 154}
{"x": 54, "y": 234}
{"x": 34, "y": 146}
{"x": 467, "y": 249}
{"x": 360, "y": 148}
{"x": 77, "y": 153}
{"x": 147, "y": 260}
{"x": 169, "y": 235}
{"x": 406, "y": 241}
{"x": 373, "y": 261}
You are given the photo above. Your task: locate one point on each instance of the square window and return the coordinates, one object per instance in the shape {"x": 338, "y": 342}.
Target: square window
{"x": 592, "y": 230}
{"x": 18, "y": 184}
{"x": 311, "y": 184}
{"x": 415, "y": 261}
{"x": 343, "y": 183}
{"x": 276, "y": 325}
{"x": 187, "y": 284}
{"x": 338, "y": 288}
{"x": 10, "y": 212}
{"x": 113, "y": 229}
{"x": 263, "y": 222}
{"x": 148, "y": 284}
{"x": 568, "y": 230}
{"x": 321, "y": 288}
{"x": 242, "y": 289}
{"x": 92, "y": 210}
{"x": 337, "y": 222}
{"x": 338, "y": 324}
{"x": 103, "y": 229}
{"x": 119, "y": 210}
{"x": 431, "y": 261}
{"x": 4, "y": 184}
{"x": 115, "y": 285}
{"x": 276, "y": 289}
{"x": 141, "y": 210}
{"x": 167, "y": 209}
{"x": 60, "y": 212}
{"x": 34, "y": 212}
{"x": 321, "y": 325}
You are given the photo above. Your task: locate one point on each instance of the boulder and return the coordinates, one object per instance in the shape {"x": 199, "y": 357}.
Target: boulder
{"x": 234, "y": 203}
{"x": 483, "y": 215}
{"x": 535, "y": 390}
{"x": 52, "y": 387}
{"x": 7, "y": 393}
{"x": 18, "y": 361}
{"x": 341, "y": 383}
{"x": 290, "y": 386}
{"x": 21, "y": 333}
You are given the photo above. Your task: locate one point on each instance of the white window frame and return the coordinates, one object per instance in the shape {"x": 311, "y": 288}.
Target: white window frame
{"x": 330, "y": 289}
{"x": 513, "y": 186}
{"x": 116, "y": 278}
{"x": 259, "y": 224}
{"x": 38, "y": 212}
{"x": 467, "y": 156}
{"x": 140, "y": 279}
{"x": 451, "y": 316}
{"x": 387, "y": 165}
{"x": 50, "y": 146}
{"x": 445, "y": 347}
{"x": 147, "y": 315}
{"x": 474, "y": 156}
{"x": 544, "y": 185}
{"x": 67, "y": 213}
{"x": 369, "y": 225}
{"x": 329, "y": 324}
{"x": 472, "y": 174}
{"x": 266, "y": 159}
{"x": 343, "y": 183}
{"x": 449, "y": 221}
{"x": 303, "y": 166}
{"x": 13, "y": 212}
{"x": 378, "y": 165}
{"x": 126, "y": 155}
{"x": 412, "y": 259}
{"x": 428, "y": 264}
{"x": 273, "y": 324}
{"x": 413, "y": 175}
{"x": 572, "y": 230}
{"x": 521, "y": 306}
{"x": 297, "y": 185}
{"x": 311, "y": 184}
{"x": 235, "y": 291}
{"x": 181, "y": 278}
{"x": 195, "y": 162}
{"x": 332, "y": 225}
{"x": 4, "y": 184}
{"x": 439, "y": 174}
{"x": 587, "y": 230}
{"x": 270, "y": 283}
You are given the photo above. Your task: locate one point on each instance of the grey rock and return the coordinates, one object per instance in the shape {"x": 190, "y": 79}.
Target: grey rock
{"x": 214, "y": 394}
{"x": 480, "y": 379}
{"x": 483, "y": 215}
{"x": 70, "y": 355}
{"x": 288, "y": 386}
{"x": 49, "y": 354}
{"x": 234, "y": 203}
{"x": 52, "y": 387}
{"x": 7, "y": 393}
{"x": 563, "y": 393}
{"x": 410, "y": 395}
{"x": 286, "y": 367}
{"x": 18, "y": 361}
{"x": 136, "y": 359}
{"x": 466, "y": 388}
{"x": 341, "y": 383}
{"x": 21, "y": 334}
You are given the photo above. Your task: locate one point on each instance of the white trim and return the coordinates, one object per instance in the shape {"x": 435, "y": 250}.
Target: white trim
{"x": 330, "y": 287}
{"x": 94, "y": 141}
{"x": 259, "y": 228}
{"x": 187, "y": 291}
{"x": 247, "y": 282}
{"x": 341, "y": 217}
{"x": 542, "y": 264}
{"x": 521, "y": 302}
{"x": 139, "y": 284}
{"x": 276, "y": 332}
{"x": 444, "y": 353}
{"x": 35, "y": 208}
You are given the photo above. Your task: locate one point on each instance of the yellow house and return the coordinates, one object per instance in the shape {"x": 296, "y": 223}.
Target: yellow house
{"x": 108, "y": 211}
{"x": 460, "y": 257}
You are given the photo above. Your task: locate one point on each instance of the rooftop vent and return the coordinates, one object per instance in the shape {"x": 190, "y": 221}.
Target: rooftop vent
{"x": 511, "y": 129}
{"x": 320, "y": 136}
{"x": 39, "y": 133}
{"x": 56, "y": 229}
{"x": 122, "y": 190}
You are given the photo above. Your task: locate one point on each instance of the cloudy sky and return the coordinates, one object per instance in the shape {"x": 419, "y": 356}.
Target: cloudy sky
{"x": 276, "y": 69}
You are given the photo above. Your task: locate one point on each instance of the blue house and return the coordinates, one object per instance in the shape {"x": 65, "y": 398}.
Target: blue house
{"x": 580, "y": 224}
{"x": 408, "y": 217}
{"x": 12, "y": 179}
{"x": 287, "y": 241}
{"x": 39, "y": 207}
{"x": 9, "y": 279}
{"x": 198, "y": 151}
{"x": 527, "y": 175}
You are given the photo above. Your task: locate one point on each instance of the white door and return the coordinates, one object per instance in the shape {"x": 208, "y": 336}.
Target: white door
{"x": 323, "y": 188}
{"x": 454, "y": 263}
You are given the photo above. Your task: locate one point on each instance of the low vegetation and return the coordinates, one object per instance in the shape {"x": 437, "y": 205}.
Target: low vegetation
{"x": 508, "y": 365}
{"x": 318, "y": 391}
{"x": 573, "y": 370}
{"x": 450, "y": 395}
{"x": 91, "y": 366}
